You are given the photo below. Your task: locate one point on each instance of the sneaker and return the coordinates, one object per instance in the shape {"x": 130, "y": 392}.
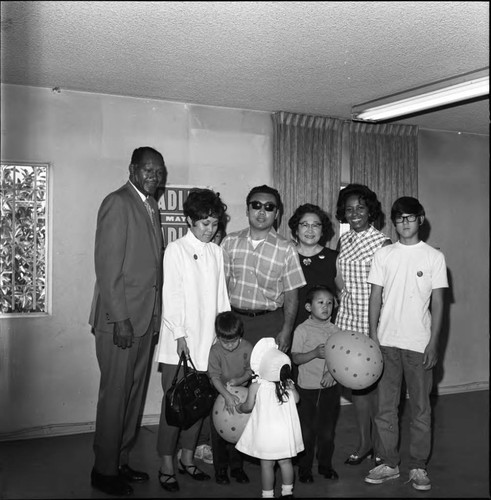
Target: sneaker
{"x": 203, "y": 452}
{"x": 420, "y": 479}
{"x": 382, "y": 473}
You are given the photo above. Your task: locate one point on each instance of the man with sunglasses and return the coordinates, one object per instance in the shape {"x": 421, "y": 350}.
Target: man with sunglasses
{"x": 263, "y": 271}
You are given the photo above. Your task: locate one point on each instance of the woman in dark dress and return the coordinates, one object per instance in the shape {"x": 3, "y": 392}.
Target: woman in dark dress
{"x": 311, "y": 227}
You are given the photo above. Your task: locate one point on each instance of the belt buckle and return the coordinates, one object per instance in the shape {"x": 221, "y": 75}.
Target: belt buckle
{"x": 258, "y": 313}
{"x": 245, "y": 312}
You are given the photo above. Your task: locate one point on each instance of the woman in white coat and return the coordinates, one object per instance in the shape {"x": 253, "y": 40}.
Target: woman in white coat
{"x": 194, "y": 292}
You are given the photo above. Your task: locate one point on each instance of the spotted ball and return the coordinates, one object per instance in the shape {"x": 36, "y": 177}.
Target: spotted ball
{"x": 230, "y": 427}
{"x": 353, "y": 359}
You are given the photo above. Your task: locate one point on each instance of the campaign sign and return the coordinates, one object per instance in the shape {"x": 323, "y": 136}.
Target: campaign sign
{"x": 172, "y": 219}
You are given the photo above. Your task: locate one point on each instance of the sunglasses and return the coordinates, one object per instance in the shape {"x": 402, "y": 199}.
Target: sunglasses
{"x": 268, "y": 206}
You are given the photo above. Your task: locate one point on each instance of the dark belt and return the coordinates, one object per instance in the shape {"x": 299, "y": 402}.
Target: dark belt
{"x": 251, "y": 312}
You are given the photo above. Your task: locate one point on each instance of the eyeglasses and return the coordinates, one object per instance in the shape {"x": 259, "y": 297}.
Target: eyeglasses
{"x": 268, "y": 206}
{"x": 306, "y": 225}
{"x": 407, "y": 218}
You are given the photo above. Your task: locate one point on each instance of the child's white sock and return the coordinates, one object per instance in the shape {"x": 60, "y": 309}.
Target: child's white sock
{"x": 268, "y": 494}
{"x": 286, "y": 489}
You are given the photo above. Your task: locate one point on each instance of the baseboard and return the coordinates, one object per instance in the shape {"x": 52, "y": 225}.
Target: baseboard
{"x": 455, "y": 389}
{"x": 85, "y": 427}
{"x": 49, "y": 431}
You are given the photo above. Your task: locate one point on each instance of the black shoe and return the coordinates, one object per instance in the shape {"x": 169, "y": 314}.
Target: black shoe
{"x": 239, "y": 475}
{"x": 131, "y": 475}
{"x": 328, "y": 473}
{"x": 355, "y": 459}
{"x": 305, "y": 476}
{"x": 221, "y": 476}
{"x": 112, "y": 485}
{"x": 171, "y": 487}
{"x": 193, "y": 471}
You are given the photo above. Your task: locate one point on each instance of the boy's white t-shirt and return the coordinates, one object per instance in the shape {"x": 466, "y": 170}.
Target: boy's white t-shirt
{"x": 408, "y": 275}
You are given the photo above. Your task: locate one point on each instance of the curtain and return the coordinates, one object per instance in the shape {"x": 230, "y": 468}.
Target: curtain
{"x": 385, "y": 158}
{"x": 307, "y": 164}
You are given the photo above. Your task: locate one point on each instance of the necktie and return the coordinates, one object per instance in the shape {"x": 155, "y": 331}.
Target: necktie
{"x": 151, "y": 213}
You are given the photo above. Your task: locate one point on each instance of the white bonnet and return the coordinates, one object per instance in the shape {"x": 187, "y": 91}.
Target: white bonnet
{"x": 267, "y": 360}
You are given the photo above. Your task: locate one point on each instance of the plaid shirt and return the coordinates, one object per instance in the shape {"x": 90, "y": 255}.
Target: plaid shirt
{"x": 257, "y": 278}
{"x": 354, "y": 260}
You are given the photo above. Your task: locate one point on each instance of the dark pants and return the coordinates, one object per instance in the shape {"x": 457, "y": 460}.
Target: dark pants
{"x": 224, "y": 453}
{"x": 318, "y": 410}
{"x": 265, "y": 325}
{"x": 205, "y": 433}
{"x": 121, "y": 398}
{"x": 168, "y": 435}
{"x": 399, "y": 362}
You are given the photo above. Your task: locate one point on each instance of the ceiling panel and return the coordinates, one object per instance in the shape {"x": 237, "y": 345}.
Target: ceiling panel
{"x": 305, "y": 57}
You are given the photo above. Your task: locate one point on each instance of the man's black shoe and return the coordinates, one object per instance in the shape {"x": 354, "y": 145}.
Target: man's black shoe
{"x": 221, "y": 476}
{"x": 112, "y": 485}
{"x": 239, "y": 475}
{"x": 131, "y": 475}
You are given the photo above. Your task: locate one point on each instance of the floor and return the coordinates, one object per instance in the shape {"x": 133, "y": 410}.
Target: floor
{"x": 59, "y": 467}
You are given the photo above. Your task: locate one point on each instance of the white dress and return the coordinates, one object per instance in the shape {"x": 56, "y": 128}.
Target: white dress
{"x": 273, "y": 430}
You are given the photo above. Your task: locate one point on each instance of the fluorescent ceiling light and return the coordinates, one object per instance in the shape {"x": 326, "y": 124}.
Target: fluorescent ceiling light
{"x": 449, "y": 91}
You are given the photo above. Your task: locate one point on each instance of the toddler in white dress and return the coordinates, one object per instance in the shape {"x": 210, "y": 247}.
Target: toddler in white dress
{"x": 273, "y": 433}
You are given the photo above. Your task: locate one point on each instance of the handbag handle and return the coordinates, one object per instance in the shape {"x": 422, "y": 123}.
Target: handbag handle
{"x": 184, "y": 362}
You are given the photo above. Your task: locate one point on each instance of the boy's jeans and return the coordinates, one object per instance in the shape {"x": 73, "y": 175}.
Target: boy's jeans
{"x": 419, "y": 383}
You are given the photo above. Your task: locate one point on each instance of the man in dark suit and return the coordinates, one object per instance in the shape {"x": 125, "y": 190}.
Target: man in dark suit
{"x": 125, "y": 315}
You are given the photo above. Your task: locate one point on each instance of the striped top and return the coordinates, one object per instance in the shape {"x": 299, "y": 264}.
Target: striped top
{"x": 354, "y": 261}
{"x": 257, "y": 278}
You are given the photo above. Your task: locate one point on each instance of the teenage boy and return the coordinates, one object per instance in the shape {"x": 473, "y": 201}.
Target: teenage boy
{"x": 405, "y": 278}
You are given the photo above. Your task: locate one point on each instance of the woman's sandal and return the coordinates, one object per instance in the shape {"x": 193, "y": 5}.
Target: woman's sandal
{"x": 355, "y": 459}
{"x": 171, "y": 487}
{"x": 196, "y": 474}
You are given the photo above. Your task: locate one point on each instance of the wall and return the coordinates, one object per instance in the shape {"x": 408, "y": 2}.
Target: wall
{"x": 48, "y": 370}
{"x": 453, "y": 186}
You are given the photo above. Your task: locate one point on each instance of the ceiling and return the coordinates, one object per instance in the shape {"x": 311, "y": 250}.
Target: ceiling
{"x": 306, "y": 57}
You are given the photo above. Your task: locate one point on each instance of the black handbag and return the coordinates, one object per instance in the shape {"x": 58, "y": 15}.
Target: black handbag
{"x": 190, "y": 398}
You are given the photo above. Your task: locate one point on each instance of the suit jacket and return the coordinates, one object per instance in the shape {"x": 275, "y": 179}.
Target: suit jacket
{"x": 128, "y": 263}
